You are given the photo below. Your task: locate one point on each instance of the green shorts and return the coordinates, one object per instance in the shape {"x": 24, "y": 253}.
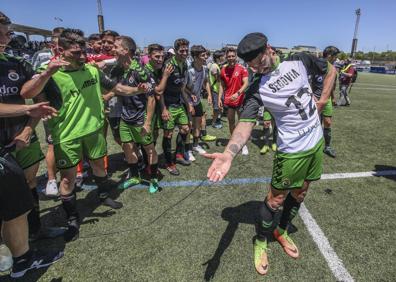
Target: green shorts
{"x": 328, "y": 109}
{"x": 132, "y": 133}
{"x": 30, "y": 155}
{"x": 69, "y": 154}
{"x": 291, "y": 170}
{"x": 178, "y": 116}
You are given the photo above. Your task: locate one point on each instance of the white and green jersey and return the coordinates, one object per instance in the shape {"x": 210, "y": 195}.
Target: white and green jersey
{"x": 287, "y": 95}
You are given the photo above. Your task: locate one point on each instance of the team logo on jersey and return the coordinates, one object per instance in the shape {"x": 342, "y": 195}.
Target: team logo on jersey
{"x": 62, "y": 162}
{"x": 236, "y": 74}
{"x": 12, "y": 75}
{"x": 319, "y": 79}
{"x": 285, "y": 182}
{"x": 131, "y": 80}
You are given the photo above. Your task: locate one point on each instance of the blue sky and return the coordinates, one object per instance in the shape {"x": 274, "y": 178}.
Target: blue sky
{"x": 216, "y": 22}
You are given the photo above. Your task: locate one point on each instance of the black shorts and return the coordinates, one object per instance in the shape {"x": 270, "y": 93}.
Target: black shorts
{"x": 114, "y": 123}
{"x": 15, "y": 196}
{"x": 199, "y": 112}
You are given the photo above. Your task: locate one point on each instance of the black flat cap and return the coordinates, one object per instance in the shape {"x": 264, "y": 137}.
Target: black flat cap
{"x": 251, "y": 45}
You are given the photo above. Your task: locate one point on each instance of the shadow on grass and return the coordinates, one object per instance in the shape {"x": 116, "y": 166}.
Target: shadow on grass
{"x": 245, "y": 214}
{"x": 386, "y": 167}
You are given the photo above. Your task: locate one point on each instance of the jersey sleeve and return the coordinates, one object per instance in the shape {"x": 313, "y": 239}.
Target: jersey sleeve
{"x": 313, "y": 65}
{"x": 252, "y": 101}
{"x": 106, "y": 82}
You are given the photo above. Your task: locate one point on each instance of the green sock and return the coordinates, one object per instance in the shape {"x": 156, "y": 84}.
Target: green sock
{"x": 281, "y": 230}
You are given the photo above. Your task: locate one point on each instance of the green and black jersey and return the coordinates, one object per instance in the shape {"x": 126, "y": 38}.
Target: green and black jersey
{"x": 175, "y": 83}
{"x": 77, "y": 95}
{"x": 14, "y": 72}
{"x": 134, "y": 107}
{"x": 155, "y": 74}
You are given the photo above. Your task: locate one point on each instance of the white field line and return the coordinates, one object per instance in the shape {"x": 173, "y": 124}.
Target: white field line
{"x": 334, "y": 262}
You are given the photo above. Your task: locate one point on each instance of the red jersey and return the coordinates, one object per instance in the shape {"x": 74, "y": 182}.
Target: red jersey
{"x": 233, "y": 81}
{"x": 343, "y": 78}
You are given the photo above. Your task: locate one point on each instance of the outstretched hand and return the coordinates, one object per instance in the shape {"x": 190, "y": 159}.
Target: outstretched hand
{"x": 220, "y": 166}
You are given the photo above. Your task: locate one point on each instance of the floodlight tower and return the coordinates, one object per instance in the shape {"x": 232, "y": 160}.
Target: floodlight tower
{"x": 354, "y": 40}
{"x": 100, "y": 16}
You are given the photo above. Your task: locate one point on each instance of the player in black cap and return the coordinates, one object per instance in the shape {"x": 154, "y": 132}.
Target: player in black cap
{"x": 284, "y": 90}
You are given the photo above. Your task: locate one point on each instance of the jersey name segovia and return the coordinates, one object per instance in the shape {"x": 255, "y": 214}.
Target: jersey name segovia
{"x": 287, "y": 94}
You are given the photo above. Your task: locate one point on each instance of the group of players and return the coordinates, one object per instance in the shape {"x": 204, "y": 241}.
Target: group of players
{"x": 83, "y": 88}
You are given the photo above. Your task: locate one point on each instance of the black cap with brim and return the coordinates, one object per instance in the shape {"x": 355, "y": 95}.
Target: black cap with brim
{"x": 251, "y": 45}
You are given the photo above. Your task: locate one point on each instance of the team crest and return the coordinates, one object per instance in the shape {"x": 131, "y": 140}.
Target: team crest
{"x": 131, "y": 80}
{"x": 285, "y": 182}
{"x": 62, "y": 162}
{"x": 12, "y": 75}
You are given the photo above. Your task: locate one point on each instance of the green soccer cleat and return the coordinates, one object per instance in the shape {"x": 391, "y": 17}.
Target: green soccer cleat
{"x": 264, "y": 150}
{"x": 274, "y": 147}
{"x": 260, "y": 256}
{"x": 129, "y": 182}
{"x": 208, "y": 138}
{"x": 153, "y": 186}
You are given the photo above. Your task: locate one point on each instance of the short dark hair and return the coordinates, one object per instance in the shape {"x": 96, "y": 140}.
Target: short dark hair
{"x": 71, "y": 36}
{"x": 217, "y": 55}
{"x": 4, "y": 19}
{"x": 330, "y": 51}
{"x": 109, "y": 32}
{"x": 94, "y": 37}
{"x": 128, "y": 43}
{"x": 197, "y": 50}
{"x": 230, "y": 49}
{"x": 155, "y": 47}
{"x": 180, "y": 42}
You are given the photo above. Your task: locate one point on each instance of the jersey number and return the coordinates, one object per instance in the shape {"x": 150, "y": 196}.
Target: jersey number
{"x": 293, "y": 100}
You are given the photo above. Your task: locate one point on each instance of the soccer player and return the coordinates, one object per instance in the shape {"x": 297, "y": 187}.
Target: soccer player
{"x": 154, "y": 69}
{"x": 94, "y": 44}
{"x": 16, "y": 196}
{"x": 173, "y": 112}
{"x": 347, "y": 77}
{"x": 75, "y": 88}
{"x": 330, "y": 55}
{"x": 25, "y": 145}
{"x": 285, "y": 90}
{"x": 216, "y": 87}
{"x": 197, "y": 77}
{"x": 235, "y": 81}
{"x": 41, "y": 58}
{"x": 137, "y": 114}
